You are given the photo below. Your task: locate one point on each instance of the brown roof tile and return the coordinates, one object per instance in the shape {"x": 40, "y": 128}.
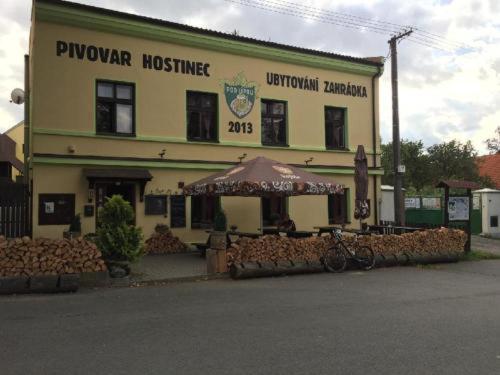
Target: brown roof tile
{"x": 489, "y": 165}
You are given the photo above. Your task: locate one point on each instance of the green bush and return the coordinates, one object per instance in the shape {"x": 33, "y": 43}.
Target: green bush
{"x": 116, "y": 238}
{"x": 220, "y": 221}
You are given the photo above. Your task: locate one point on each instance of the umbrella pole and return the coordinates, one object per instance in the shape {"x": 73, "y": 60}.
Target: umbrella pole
{"x": 260, "y": 219}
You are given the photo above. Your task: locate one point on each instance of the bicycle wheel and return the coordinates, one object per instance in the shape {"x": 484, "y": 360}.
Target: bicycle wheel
{"x": 335, "y": 260}
{"x": 365, "y": 257}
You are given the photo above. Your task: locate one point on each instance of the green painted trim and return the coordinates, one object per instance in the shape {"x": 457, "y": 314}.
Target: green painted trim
{"x": 170, "y": 165}
{"x": 142, "y": 29}
{"x": 179, "y": 140}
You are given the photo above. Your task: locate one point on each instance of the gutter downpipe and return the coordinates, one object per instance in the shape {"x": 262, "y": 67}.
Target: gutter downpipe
{"x": 374, "y": 138}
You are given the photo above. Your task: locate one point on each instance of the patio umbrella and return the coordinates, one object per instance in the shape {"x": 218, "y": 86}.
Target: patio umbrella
{"x": 361, "y": 209}
{"x": 263, "y": 177}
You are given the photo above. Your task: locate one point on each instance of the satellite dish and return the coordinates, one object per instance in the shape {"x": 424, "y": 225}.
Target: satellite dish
{"x": 17, "y": 96}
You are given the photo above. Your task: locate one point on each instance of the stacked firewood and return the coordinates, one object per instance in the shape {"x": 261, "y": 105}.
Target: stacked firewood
{"x": 428, "y": 241}
{"x": 276, "y": 248}
{"x": 29, "y": 257}
{"x": 273, "y": 248}
{"x": 162, "y": 241}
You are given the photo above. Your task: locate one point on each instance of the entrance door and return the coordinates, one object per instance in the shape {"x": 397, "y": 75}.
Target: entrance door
{"x": 107, "y": 190}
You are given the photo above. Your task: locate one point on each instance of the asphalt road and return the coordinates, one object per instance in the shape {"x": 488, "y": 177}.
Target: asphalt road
{"x": 388, "y": 321}
{"x": 489, "y": 245}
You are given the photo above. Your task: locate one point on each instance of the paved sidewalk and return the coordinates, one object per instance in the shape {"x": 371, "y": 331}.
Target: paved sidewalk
{"x": 170, "y": 266}
{"x": 489, "y": 245}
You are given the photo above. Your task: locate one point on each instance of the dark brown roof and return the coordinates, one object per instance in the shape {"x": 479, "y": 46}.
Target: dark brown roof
{"x": 118, "y": 173}
{"x": 8, "y": 152}
{"x": 458, "y": 184}
{"x": 199, "y": 30}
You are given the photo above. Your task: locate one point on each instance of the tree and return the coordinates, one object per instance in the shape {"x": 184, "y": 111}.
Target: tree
{"x": 456, "y": 161}
{"x": 493, "y": 144}
{"x": 416, "y": 161}
{"x": 425, "y": 167}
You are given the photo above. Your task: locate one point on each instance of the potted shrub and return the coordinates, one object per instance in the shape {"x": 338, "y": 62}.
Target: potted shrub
{"x": 75, "y": 228}
{"x": 119, "y": 242}
{"x": 218, "y": 237}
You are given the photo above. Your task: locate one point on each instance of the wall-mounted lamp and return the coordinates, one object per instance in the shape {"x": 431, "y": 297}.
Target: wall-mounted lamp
{"x": 71, "y": 149}
{"x": 91, "y": 195}
{"x": 162, "y": 153}
{"x": 242, "y": 157}
{"x": 308, "y": 161}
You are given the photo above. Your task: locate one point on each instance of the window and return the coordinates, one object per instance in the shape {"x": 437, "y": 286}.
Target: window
{"x": 202, "y": 116}
{"x": 155, "y": 205}
{"x": 494, "y": 221}
{"x": 115, "y": 108}
{"x": 273, "y": 209}
{"x": 273, "y": 120}
{"x": 337, "y": 208}
{"x": 335, "y": 127}
{"x": 203, "y": 210}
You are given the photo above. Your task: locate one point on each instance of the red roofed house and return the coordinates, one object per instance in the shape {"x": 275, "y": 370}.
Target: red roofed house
{"x": 489, "y": 165}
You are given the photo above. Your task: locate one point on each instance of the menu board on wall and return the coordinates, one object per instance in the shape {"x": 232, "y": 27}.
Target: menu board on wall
{"x": 56, "y": 209}
{"x": 178, "y": 211}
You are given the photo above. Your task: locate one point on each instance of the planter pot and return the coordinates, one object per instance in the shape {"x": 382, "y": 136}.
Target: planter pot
{"x": 118, "y": 268}
{"x": 69, "y": 282}
{"x": 218, "y": 240}
{"x": 44, "y": 284}
{"x": 14, "y": 285}
{"x": 70, "y": 235}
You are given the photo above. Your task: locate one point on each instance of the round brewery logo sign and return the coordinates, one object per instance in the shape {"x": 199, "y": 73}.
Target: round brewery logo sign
{"x": 240, "y": 95}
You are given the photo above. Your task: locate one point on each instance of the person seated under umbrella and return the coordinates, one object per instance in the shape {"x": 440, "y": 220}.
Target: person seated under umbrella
{"x": 286, "y": 224}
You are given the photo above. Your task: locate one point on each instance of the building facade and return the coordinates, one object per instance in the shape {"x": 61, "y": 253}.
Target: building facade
{"x": 122, "y": 104}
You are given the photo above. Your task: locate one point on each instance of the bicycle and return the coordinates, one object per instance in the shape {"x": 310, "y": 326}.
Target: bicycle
{"x": 335, "y": 259}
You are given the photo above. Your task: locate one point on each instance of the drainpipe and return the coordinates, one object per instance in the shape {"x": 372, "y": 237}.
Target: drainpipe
{"x": 374, "y": 138}
{"x": 26, "y": 150}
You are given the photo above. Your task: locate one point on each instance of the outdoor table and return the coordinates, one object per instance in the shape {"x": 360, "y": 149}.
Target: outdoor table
{"x": 299, "y": 233}
{"x": 326, "y": 229}
{"x": 331, "y": 228}
{"x": 270, "y": 230}
{"x": 244, "y": 234}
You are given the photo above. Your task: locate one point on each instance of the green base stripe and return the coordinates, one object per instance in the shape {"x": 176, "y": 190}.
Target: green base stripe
{"x": 170, "y": 165}
{"x": 142, "y": 29}
{"x": 179, "y": 140}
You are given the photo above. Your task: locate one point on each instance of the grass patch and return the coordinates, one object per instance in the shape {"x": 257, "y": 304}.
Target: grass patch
{"x": 479, "y": 255}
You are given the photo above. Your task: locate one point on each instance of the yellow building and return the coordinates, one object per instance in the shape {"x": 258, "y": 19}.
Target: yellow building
{"x": 122, "y": 104}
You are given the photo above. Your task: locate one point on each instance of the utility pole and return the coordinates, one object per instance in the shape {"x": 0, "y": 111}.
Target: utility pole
{"x": 399, "y": 208}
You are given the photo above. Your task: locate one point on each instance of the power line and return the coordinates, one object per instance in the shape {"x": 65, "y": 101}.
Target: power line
{"x": 350, "y": 21}
{"x": 301, "y": 15}
{"x": 396, "y": 27}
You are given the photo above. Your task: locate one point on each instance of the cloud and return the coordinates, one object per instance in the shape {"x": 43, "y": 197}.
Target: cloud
{"x": 444, "y": 94}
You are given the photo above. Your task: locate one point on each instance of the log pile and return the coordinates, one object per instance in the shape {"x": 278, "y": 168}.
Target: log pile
{"x": 273, "y": 248}
{"x": 164, "y": 243}
{"x": 30, "y": 257}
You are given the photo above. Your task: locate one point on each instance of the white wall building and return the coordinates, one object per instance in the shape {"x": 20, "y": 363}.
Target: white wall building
{"x": 490, "y": 205}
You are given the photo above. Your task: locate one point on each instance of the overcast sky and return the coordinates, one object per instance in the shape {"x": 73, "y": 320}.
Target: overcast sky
{"x": 443, "y": 94}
